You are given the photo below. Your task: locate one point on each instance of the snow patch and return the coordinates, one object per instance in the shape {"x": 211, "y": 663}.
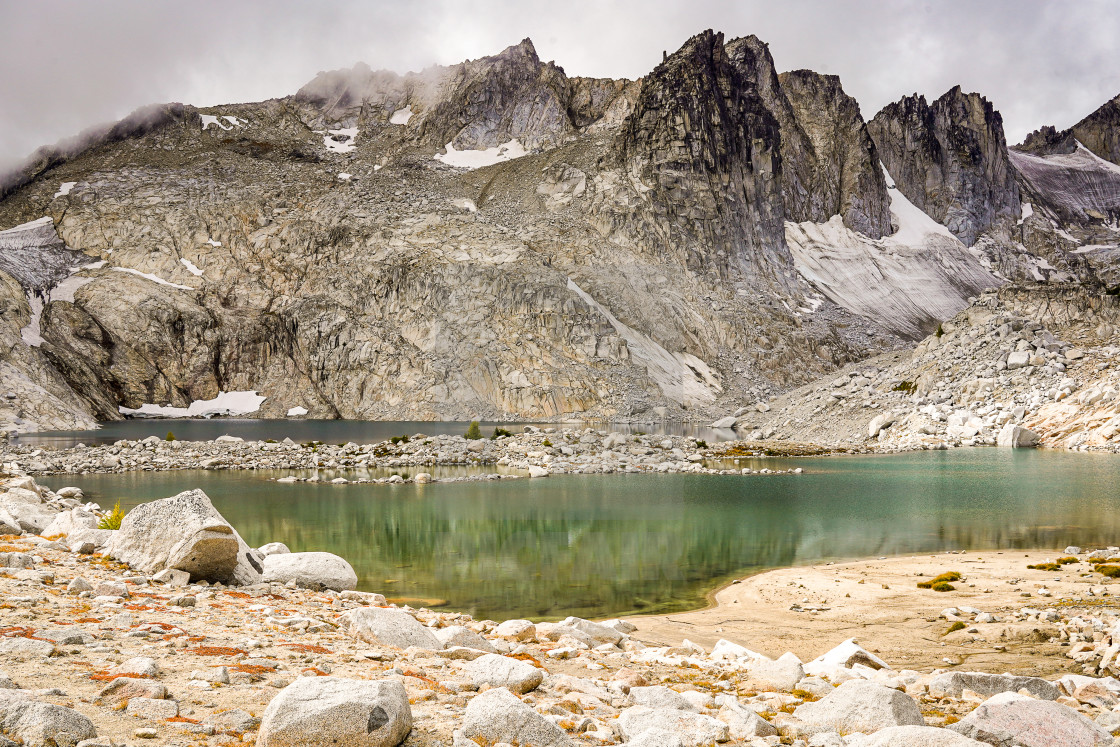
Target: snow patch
{"x": 211, "y": 242}
{"x": 64, "y": 291}
{"x": 191, "y": 268}
{"x": 297, "y": 411}
{"x": 913, "y": 224}
{"x": 465, "y": 203}
{"x": 681, "y": 377}
{"x": 476, "y": 159}
{"x": 1094, "y": 248}
{"x": 226, "y": 403}
{"x": 64, "y": 189}
{"x": 1028, "y": 211}
{"x": 29, "y": 225}
{"x": 153, "y": 278}
{"x": 401, "y": 116}
{"x": 341, "y": 141}
{"x": 216, "y": 120}
{"x": 344, "y": 177}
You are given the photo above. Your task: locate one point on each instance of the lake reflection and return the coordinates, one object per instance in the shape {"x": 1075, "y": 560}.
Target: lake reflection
{"x": 604, "y": 545}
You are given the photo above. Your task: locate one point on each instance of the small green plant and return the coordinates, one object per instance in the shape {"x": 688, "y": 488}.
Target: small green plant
{"x": 1045, "y": 567}
{"x": 170, "y": 436}
{"x": 500, "y": 433}
{"x": 942, "y": 580}
{"x": 473, "y": 431}
{"x": 943, "y": 586}
{"x": 958, "y": 625}
{"x": 112, "y": 520}
{"x": 701, "y": 443}
{"x": 940, "y": 331}
{"x": 546, "y": 443}
{"x": 907, "y": 387}
{"x": 399, "y": 440}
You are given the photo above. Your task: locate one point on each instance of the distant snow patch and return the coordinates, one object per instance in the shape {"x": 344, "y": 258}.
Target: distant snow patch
{"x": 64, "y": 189}
{"x": 401, "y": 116}
{"x": 29, "y": 225}
{"x": 153, "y": 278}
{"x": 344, "y": 177}
{"x": 191, "y": 268}
{"x": 226, "y": 403}
{"x": 682, "y": 377}
{"x": 297, "y": 411}
{"x": 1028, "y": 211}
{"x": 465, "y": 203}
{"x": 64, "y": 291}
{"x": 341, "y": 141}
{"x": 211, "y": 242}
{"x": 216, "y": 120}
{"x": 913, "y": 224}
{"x": 476, "y": 159}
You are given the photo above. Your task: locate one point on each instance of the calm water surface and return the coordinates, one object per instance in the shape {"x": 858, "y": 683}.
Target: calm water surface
{"x": 328, "y": 431}
{"x": 602, "y": 545}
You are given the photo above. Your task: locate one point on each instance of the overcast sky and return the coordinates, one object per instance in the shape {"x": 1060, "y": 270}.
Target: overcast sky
{"x": 68, "y": 65}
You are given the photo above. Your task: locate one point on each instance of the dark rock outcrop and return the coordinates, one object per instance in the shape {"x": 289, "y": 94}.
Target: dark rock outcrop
{"x": 704, "y": 150}
{"x": 950, "y": 159}
{"x": 1100, "y": 131}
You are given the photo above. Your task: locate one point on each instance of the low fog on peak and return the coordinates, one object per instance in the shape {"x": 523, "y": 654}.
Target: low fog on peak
{"x": 74, "y": 65}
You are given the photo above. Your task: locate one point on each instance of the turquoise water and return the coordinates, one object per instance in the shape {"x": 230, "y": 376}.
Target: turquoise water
{"x": 609, "y": 544}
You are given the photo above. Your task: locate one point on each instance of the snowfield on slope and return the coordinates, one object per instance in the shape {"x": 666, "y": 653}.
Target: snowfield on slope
{"x": 226, "y": 403}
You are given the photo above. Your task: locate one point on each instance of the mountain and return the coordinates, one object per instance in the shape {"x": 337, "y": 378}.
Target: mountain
{"x": 498, "y": 239}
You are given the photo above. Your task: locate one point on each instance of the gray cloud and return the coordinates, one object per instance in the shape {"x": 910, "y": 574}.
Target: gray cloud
{"x": 72, "y": 64}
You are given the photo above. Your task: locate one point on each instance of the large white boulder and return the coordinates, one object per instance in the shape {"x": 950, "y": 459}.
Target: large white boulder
{"x": 503, "y": 671}
{"x": 499, "y": 716}
{"x": 861, "y": 706}
{"x": 71, "y": 521}
{"x": 24, "y": 509}
{"x": 952, "y": 684}
{"x": 388, "y": 627}
{"x": 37, "y": 724}
{"x": 312, "y": 570}
{"x": 914, "y": 736}
{"x": 460, "y": 635}
{"x": 333, "y": 710}
{"x": 844, "y": 656}
{"x": 659, "y": 696}
{"x": 693, "y": 729}
{"x": 184, "y": 532}
{"x": 1012, "y": 719}
{"x": 781, "y": 674}
{"x": 1013, "y": 436}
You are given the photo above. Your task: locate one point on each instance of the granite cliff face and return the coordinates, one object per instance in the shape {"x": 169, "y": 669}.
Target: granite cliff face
{"x": 950, "y": 159}
{"x": 497, "y": 239}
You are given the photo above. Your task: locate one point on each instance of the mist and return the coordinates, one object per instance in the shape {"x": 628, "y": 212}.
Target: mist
{"x": 76, "y": 65}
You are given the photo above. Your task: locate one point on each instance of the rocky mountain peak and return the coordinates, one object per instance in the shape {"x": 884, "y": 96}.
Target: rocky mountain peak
{"x": 1100, "y": 131}
{"x": 950, "y": 159}
{"x": 704, "y": 150}
{"x": 1047, "y": 141}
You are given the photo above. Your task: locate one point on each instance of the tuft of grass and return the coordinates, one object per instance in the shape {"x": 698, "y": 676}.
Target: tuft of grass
{"x": 907, "y": 387}
{"x": 113, "y": 519}
{"x": 546, "y": 443}
{"x": 958, "y": 625}
{"x": 500, "y": 433}
{"x": 701, "y": 443}
{"x": 943, "y": 586}
{"x": 1067, "y": 560}
{"x": 1045, "y": 567}
{"x": 1111, "y": 571}
{"x": 473, "y": 432}
{"x": 169, "y": 437}
{"x": 943, "y": 579}
{"x": 399, "y": 440}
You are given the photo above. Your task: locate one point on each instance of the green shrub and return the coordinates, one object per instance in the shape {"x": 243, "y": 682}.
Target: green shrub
{"x": 546, "y": 443}
{"x": 398, "y": 440}
{"x": 940, "y": 331}
{"x": 500, "y": 433}
{"x": 943, "y": 586}
{"x": 958, "y": 625}
{"x": 944, "y": 579}
{"x": 473, "y": 432}
{"x": 701, "y": 443}
{"x": 1067, "y": 560}
{"x": 1045, "y": 567}
{"x": 907, "y": 387}
{"x": 1112, "y": 571}
{"x": 112, "y": 520}
{"x": 170, "y": 436}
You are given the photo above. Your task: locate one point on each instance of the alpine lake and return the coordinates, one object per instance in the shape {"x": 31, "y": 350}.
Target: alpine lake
{"x": 602, "y": 545}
